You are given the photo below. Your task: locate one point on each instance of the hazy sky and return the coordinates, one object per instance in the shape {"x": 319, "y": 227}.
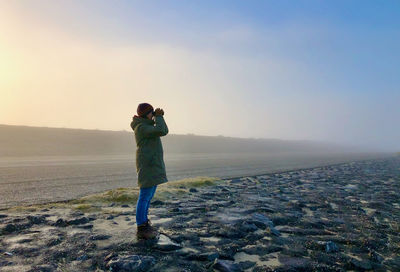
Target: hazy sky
{"x": 315, "y": 70}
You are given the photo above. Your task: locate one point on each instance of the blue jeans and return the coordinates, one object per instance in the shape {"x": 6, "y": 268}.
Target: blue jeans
{"x": 143, "y": 203}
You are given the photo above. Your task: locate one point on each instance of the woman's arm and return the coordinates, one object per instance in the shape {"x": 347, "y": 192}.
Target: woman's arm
{"x": 160, "y": 129}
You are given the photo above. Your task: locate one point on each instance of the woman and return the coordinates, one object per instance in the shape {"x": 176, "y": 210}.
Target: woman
{"x": 150, "y": 165}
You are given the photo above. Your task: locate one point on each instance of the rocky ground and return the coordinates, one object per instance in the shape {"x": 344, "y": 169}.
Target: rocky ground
{"x": 334, "y": 218}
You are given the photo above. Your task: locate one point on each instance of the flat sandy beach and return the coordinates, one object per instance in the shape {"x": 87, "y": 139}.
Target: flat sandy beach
{"x": 33, "y": 180}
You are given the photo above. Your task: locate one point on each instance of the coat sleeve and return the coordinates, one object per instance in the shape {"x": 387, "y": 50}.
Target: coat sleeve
{"x": 160, "y": 129}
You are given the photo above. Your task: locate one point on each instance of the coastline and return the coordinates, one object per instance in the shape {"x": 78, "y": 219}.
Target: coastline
{"x": 332, "y": 218}
{"x": 224, "y": 177}
{"x": 44, "y": 180}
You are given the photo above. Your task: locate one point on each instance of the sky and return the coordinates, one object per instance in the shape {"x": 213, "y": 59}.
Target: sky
{"x": 294, "y": 70}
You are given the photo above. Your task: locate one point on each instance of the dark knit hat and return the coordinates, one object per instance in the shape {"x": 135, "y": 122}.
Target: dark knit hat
{"x": 144, "y": 109}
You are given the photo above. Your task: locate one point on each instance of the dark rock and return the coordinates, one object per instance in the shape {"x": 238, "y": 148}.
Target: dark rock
{"x": 271, "y": 249}
{"x": 244, "y": 226}
{"x": 294, "y": 264}
{"x": 100, "y": 237}
{"x": 253, "y": 237}
{"x": 82, "y": 257}
{"x": 314, "y": 224}
{"x": 193, "y": 190}
{"x": 85, "y": 226}
{"x": 361, "y": 265}
{"x": 53, "y": 242}
{"x": 315, "y": 245}
{"x": 295, "y": 251}
{"x": 331, "y": 247}
{"x": 157, "y": 202}
{"x": 284, "y": 220}
{"x": 110, "y": 217}
{"x": 127, "y": 213}
{"x": 263, "y": 268}
{"x": 262, "y": 209}
{"x": 60, "y": 223}
{"x": 9, "y": 228}
{"x": 237, "y": 180}
{"x": 301, "y": 231}
{"x": 3, "y": 215}
{"x": 131, "y": 263}
{"x": 5, "y": 263}
{"x": 43, "y": 268}
{"x": 92, "y": 217}
{"x": 207, "y": 256}
{"x": 376, "y": 257}
{"x": 228, "y": 250}
{"x": 78, "y": 221}
{"x": 261, "y": 220}
{"x": 62, "y": 253}
{"x": 36, "y": 219}
{"x": 274, "y": 231}
{"x": 25, "y": 240}
{"x": 225, "y": 266}
{"x": 77, "y": 213}
{"x": 231, "y": 233}
{"x": 252, "y": 250}
{"x": 246, "y": 265}
{"x": 125, "y": 206}
{"x": 164, "y": 243}
{"x": 393, "y": 262}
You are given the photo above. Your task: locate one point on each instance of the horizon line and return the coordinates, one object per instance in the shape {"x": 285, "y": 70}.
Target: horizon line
{"x": 189, "y": 133}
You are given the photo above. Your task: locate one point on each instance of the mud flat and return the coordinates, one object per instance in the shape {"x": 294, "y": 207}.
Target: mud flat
{"x": 343, "y": 217}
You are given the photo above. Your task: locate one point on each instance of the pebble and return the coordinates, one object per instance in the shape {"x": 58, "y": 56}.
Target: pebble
{"x": 166, "y": 244}
{"x": 331, "y": 247}
{"x": 131, "y": 263}
{"x": 78, "y": 221}
{"x": 225, "y": 266}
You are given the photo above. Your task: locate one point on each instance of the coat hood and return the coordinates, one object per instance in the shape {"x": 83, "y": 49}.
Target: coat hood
{"x": 137, "y": 120}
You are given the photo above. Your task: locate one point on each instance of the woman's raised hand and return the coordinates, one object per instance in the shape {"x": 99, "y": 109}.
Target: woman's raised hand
{"x": 158, "y": 111}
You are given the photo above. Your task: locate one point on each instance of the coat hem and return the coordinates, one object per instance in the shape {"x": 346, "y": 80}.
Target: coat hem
{"x": 152, "y": 184}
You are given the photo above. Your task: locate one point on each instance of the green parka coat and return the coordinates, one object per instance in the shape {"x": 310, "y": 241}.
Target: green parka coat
{"x": 150, "y": 166}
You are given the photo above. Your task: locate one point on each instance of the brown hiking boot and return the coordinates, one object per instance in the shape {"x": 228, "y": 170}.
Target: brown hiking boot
{"x": 146, "y": 231}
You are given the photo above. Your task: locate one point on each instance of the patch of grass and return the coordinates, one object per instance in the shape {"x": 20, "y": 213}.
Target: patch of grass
{"x": 88, "y": 203}
{"x": 164, "y": 191}
{"x": 86, "y": 208}
{"x": 175, "y": 188}
{"x": 119, "y": 195}
{"x": 37, "y": 207}
{"x": 191, "y": 182}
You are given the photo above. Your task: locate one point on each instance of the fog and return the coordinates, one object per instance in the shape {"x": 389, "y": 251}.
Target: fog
{"x": 286, "y": 73}
{"x": 25, "y": 141}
